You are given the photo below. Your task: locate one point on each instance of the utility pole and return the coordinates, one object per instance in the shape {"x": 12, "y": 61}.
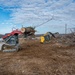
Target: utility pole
{"x": 65, "y": 28}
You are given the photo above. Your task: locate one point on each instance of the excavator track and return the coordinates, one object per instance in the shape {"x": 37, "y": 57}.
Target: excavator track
{"x": 10, "y": 48}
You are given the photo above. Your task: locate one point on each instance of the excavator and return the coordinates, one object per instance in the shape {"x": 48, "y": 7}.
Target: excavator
{"x": 46, "y": 37}
{"x": 10, "y": 42}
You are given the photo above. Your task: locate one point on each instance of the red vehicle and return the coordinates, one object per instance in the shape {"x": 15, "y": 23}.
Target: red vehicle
{"x": 15, "y": 32}
{"x": 10, "y": 41}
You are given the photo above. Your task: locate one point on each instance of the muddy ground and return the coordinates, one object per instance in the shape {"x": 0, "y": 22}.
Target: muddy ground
{"x": 39, "y": 59}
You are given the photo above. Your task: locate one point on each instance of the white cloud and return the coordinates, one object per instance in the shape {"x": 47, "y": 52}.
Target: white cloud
{"x": 38, "y": 11}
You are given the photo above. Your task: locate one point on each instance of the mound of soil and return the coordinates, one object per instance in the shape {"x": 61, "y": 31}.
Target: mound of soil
{"x": 39, "y": 59}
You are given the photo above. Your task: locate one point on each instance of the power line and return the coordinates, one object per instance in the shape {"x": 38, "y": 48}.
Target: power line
{"x": 43, "y": 23}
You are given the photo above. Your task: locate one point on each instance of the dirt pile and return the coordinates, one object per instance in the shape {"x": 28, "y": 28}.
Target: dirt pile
{"x": 53, "y": 58}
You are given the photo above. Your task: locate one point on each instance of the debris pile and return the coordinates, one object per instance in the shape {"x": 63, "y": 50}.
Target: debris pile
{"x": 67, "y": 39}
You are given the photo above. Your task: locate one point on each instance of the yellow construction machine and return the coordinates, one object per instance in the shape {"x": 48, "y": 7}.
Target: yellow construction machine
{"x": 46, "y": 37}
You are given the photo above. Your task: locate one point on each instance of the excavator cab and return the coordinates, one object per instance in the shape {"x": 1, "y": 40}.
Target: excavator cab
{"x": 12, "y": 40}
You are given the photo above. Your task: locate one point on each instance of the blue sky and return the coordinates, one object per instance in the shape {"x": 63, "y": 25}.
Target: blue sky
{"x": 15, "y": 13}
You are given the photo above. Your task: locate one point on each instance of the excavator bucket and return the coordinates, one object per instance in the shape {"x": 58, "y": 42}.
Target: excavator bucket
{"x": 42, "y": 39}
{"x": 46, "y": 37}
